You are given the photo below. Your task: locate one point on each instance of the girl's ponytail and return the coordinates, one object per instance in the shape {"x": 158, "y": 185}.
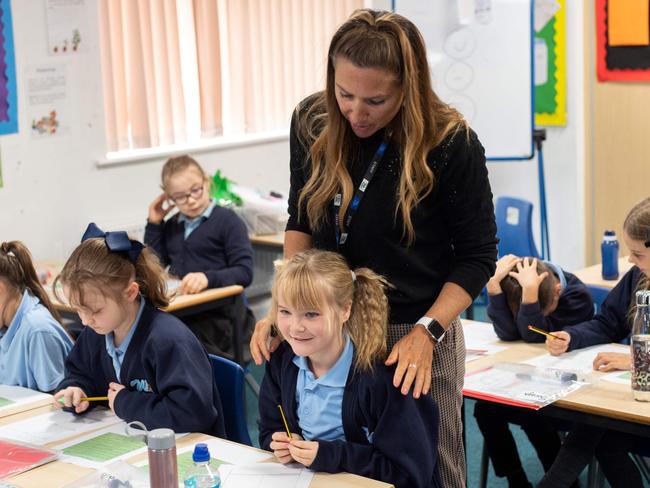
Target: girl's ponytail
{"x": 17, "y": 268}
{"x": 368, "y": 317}
{"x": 151, "y": 278}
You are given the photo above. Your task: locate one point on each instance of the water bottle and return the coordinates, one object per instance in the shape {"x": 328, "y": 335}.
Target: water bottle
{"x": 640, "y": 345}
{"x": 202, "y": 474}
{"x": 163, "y": 469}
{"x": 609, "y": 255}
{"x": 161, "y": 446}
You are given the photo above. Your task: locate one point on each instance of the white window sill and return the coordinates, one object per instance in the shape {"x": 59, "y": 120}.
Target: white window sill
{"x": 215, "y": 144}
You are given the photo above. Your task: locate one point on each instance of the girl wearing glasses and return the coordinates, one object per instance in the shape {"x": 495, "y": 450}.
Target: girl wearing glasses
{"x": 205, "y": 245}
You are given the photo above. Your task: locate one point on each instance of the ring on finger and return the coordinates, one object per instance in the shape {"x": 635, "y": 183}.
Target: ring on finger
{"x": 413, "y": 365}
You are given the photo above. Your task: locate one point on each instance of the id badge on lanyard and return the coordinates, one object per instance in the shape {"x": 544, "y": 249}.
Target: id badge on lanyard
{"x": 342, "y": 234}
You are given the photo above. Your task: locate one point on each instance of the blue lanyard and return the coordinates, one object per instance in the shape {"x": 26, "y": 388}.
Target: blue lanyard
{"x": 342, "y": 237}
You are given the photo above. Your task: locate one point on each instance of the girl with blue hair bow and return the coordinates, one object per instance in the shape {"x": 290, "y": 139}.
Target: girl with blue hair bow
{"x": 146, "y": 362}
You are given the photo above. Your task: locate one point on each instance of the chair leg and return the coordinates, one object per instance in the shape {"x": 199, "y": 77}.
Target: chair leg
{"x": 642, "y": 463}
{"x": 252, "y": 383}
{"x": 485, "y": 461}
{"x": 595, "y": 476}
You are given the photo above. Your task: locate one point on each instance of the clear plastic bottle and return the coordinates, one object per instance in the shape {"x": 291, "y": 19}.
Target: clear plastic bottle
{"x": 202, "y": 474}
{"x": 640, "y": 345}
{"x": 609, "y": 255}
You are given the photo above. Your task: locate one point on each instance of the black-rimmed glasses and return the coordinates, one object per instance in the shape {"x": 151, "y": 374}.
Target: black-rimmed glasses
{"x": 182, "y": 198}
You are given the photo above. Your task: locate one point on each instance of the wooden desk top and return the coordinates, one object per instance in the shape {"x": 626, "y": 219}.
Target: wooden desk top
{"x": 592, "y": 275}
{"x": 59, "y": 473}
{"x": 602, "y": 398}
{"x": 275, "y": 240}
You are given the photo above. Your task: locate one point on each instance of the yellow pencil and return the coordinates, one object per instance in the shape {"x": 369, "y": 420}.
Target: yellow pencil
{"x": 88, "y": 399}
{"x": 543, "y": 332}
{"x": 286, "y": 426}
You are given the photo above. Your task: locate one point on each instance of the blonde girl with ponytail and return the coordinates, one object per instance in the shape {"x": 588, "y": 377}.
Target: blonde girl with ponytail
{"x": 33, "y": 344}
{"x": 328, "y": 376}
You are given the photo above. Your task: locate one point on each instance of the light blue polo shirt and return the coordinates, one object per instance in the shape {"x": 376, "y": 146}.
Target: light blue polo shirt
{"x": 320, "y": 400}
{"x": 117, "y": 353}
{"x": 33, "y": 348}
{"x": 192, "y": 224}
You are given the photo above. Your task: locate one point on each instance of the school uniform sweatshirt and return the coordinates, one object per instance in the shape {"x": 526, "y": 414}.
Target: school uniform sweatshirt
{"x": 611, "y": 323}
{"x": 404, "y": 431}
{"x": 219, "y": 247}
{"x": 166, "y": 373}
{"x": 574, "y": 306}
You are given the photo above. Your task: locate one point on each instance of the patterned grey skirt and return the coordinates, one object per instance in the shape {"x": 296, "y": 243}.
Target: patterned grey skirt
{"x": 448, "y": 371}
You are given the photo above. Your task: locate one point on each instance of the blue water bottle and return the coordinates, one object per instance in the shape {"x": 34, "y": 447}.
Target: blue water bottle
{"x": 609, "y": 255}
{"x": 202, "y": 474}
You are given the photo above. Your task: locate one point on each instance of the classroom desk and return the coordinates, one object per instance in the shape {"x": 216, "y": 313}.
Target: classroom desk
{"x": 272, "y": 240}
{"x": 58, "y": 473}
{"x": 602, "y": 403}
{"x": 592, "y": 275}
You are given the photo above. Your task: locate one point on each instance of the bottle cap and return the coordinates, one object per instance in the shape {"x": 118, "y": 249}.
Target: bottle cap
{"x": 201, "y": 453}
{"x": 643, "y": 297}
{"x": 161, "y": 439}
{"x": 610, "y": 233}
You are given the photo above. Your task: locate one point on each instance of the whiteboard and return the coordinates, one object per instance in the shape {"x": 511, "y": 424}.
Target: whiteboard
{"x": 481, "y": 58}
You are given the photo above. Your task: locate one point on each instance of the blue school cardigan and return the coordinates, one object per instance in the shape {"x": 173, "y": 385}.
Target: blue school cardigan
{"x": 574, "y": 306}
{"x": 404, "y": 449}
{"x": 166, "y": 372}
{"x": 219, "y": 247}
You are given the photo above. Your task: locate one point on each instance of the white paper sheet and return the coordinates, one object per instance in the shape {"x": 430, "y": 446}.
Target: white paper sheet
{"x": 119, "y": 428}
{"x": 579, "y": 361}
{"x": 266, "y": 475}
{"x": 480, "y": 340}
{"x": 231, "y": 453}
{"x": 17, "y": 395}
{"x": 57, "y": 425}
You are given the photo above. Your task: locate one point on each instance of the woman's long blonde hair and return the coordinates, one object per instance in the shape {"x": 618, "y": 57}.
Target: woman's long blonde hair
{"x": 322, "y": 280}
{"x": 390, "y": 42}
{"x": 637, "y": 227}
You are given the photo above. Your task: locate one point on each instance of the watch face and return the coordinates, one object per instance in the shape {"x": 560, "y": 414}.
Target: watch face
{"x": 436, "y": 329}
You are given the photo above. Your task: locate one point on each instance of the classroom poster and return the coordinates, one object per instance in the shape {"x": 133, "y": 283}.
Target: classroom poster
{"x": 550, "y": 62}
{"x": 46, "y": 96}
{"x": 8, "y": 96}
{"x": 66, "y": 21}
{"x": 622, "y": 49}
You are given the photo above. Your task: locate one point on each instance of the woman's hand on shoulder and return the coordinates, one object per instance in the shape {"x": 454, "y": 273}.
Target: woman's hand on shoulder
{"x": 612, "y": 361}
{"x": 261, "y": 347}
{"x": 193, "y": 283}
{"x": 70, "y": 398}
{"x": 558, "y": 346}
{"x": 159, "y": 208}
{"x": 413, "y": 355}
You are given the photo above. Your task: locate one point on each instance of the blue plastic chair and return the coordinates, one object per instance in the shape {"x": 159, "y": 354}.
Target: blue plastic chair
{"x": 598, "y": 294}
{"x": 515, "y": 227}
{"x": 229, "y": 377}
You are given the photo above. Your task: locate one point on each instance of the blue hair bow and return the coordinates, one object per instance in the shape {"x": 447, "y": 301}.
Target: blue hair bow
{"x": 118, "y": 241}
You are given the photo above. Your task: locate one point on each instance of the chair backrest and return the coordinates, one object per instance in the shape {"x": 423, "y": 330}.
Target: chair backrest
{"x": 598, "y": 294}
{"x": 514, "y": 227}
{"x": 229, "y": 377}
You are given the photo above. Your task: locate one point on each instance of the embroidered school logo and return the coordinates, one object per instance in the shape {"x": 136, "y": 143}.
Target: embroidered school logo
{"x": 141, "y": 385}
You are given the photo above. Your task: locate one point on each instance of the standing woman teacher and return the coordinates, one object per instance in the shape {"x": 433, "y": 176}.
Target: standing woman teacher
{"x": 391, "y": 177}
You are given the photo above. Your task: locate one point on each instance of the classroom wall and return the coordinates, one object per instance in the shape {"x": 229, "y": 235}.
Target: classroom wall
{"x": 53, "y": 187}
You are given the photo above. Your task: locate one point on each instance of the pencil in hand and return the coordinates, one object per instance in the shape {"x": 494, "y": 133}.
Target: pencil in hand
{"x": 544, "y": 333}
{"x": 284, "y": 419}
{"x": 87, "y": 399}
